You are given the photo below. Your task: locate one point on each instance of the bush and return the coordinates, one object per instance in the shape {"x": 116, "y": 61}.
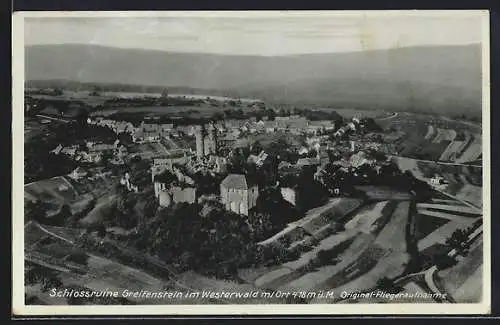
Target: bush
{"x": 79, "y": 258}
{"x": 444, "y": 261}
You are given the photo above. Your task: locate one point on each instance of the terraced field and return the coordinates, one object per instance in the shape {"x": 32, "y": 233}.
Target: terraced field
{"x": 365, "y": 249}
{"x": 365, "y": 244}
{"x": 434, "y": 138}
{"x": 438, "y": 219}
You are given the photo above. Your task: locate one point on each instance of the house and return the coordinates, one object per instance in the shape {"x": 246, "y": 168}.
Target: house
{"x": 238, "y": 194}
{"x": 259, "y": 159}
{"x": 151, "y": 136}
{"x": 270, "y": 126}
{"x": 437, "y": 180}
{"x": 218, "y": 164}
{"x": 241, "y": 143}
{"x": 324, "y": 158}
{"x": 168, "y": 194}
{"x": 166, "y": 128}
{"x": 102, "y": 146}
{"x": 303, "y": 162}
{"x": 57, "y": 149}
{"x": 92, "y": 157}
{"x": 78, "y": 173}
{"x": 260, "y": 126}
{"x": 293, "y": 123}
{"x": 124, "y": 127}
{"x": 146, "y": 135}
{"x": 167, "y": 163}
{"x": 360, "y": 159}
{"x": 289, "y": 194}
{"x": 303, "y": 150}
{"x": 125, "y": 180}
{"x": 316, "y": 127}
{"x": 70, "y": 151}
{"x": 183, "y": 194}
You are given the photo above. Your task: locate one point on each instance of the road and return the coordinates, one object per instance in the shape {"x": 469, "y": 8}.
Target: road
{"x": 388, "y": 117}
{"x": 478, "y": 209}
{"x": 437, "y": 162}
{"x": 418, "y": 174}
{"x": 53, "y": 118}
{"x": 468, "y": 123}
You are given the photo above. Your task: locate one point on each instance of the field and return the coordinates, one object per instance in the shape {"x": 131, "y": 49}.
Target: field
{"x": 462, "y": 182}
{"x": 33, "y": 128}
{"x": 393, "y": 256}
{"x": 455, "y": 173}
{"x": 54, "y": 192}
{"x": 348, "y": 113}
{"x": 103, "y": 206}
{"x": 434, "y": 138}
{"x": 198, "y": 111}
{"x": 362, "y": 254}
{"x": 60, "y": 190}
{"x": 378, "y": 193}
{"x": 315, "y": 220}
{"x": 425, "y": 224}
{"x": 366, "y": 219}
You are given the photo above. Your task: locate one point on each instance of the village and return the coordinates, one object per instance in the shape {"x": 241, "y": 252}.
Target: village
{"x": 279, "y": 203}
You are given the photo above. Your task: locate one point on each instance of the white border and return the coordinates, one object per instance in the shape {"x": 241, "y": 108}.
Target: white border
{"x": 20, "y": 309}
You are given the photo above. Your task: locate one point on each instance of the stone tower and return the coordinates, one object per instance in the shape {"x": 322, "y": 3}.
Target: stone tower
{"x": 199, "y": 141}
{"x": 212, "y": 138}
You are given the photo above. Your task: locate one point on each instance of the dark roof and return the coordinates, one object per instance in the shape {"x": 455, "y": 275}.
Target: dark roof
{"x": 236, "y": 181}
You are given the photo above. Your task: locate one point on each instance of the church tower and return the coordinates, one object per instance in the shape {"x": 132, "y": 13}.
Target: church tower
{"x": 199, "y": 141}
{"x": 212, "y": 137}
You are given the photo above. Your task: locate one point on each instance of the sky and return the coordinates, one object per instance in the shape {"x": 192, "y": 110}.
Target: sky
{"x": 253, "y": 34}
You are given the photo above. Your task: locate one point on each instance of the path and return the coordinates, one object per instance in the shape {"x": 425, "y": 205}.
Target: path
{"x": 52, "y": 118}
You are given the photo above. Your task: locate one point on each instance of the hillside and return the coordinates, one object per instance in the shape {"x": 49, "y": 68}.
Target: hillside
{"x": 441, "y": 79}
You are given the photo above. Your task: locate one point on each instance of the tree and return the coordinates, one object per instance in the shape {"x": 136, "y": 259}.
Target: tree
{"x": 387, "y": 285}
{"x": 50, "y": 282}
{"x": 444, "y": 261}
{"x": 459, "y": 241}
{"x": 57, "y": 92}
{"x": 106, "y": 157}
{"x": 78, "y": 257}
{"x": 271, "y": 114}
{"x": 81, "y": 117}
{"x": 35, "y": 211}
{"x": 64, "y": 213}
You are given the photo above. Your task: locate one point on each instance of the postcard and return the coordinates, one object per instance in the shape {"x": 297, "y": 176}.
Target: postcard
{"x": 251, "y": 163}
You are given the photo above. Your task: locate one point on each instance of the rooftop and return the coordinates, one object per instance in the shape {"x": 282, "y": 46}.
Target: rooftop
{"x": 235, "y": 181}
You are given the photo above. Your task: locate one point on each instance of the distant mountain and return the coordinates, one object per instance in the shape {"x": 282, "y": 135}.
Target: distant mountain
{"x": 440, "y": 79}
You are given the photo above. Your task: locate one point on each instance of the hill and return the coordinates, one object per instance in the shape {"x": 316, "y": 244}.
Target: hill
{"x": 441, "y": 79}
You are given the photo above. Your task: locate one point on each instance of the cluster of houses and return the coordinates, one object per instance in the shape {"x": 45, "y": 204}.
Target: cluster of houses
{"x": 93, "y": 152}
{"x": 294, "y": 124}
{"x": 145, "y": 132}
{"x": 238, "y": 193}
{"x": 117, "y": 126}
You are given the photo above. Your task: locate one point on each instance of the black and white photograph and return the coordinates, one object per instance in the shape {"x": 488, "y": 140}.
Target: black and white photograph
{"x": 248, "y": 162}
